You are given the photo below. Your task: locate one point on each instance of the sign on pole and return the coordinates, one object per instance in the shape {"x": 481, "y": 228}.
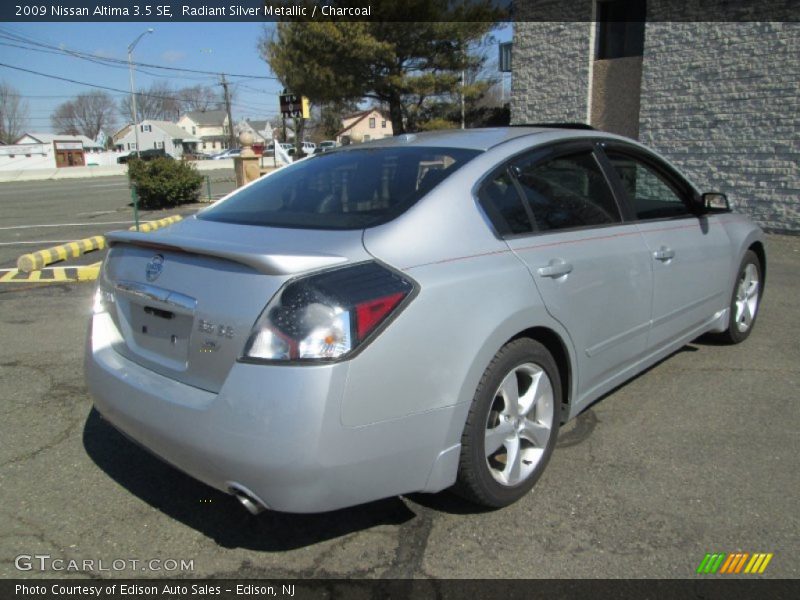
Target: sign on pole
{"x": 293, "y": 105}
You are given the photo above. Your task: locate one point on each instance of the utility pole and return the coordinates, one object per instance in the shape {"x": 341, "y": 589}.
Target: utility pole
{"x": 283, "y": 117}
{"x": 231, "y": 137}
{"x": 463, "y": 81}
{"x": 134, "y": 112}
{"x": 135, "y": 118}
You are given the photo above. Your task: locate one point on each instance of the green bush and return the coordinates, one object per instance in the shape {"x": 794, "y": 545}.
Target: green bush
{"x": 436, "y": 124}
{"x": 164, "y": 182}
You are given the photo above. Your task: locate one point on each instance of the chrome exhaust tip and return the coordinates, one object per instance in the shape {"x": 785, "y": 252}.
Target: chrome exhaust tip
{"x": 253, "y": 505}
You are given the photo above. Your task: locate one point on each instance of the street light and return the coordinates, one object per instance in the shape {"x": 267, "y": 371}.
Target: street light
{"x": 134, "y": 114}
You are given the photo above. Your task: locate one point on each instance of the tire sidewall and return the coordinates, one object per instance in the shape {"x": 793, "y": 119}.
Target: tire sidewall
{"x": 734, "y": 333}
{"x": 513, "y": 355}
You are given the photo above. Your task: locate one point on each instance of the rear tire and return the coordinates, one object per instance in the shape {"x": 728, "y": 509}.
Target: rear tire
{"x": 745, "y": 300}
{"x": 512, "y": 426}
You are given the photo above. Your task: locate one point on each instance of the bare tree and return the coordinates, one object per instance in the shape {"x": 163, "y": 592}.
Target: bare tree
{"x": 87, "y": 114}
{"x": 13, "y": 114}
{"x": 198, "y": 97}
{"x": 64, "y": 120}
{"x": 158, "y": 102}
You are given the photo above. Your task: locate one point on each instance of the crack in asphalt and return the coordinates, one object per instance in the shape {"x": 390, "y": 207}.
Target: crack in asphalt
{"x": 65, "y": 395}
{"x": 412, "y": 542}
{"x": 49, "y": 445}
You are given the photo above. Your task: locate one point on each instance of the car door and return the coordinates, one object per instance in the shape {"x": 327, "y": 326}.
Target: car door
{"x": 591, "y": 268}
{"x": 690, "y": 254}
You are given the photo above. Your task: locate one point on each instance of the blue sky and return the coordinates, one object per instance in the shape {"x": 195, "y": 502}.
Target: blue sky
{"x": 217, "y": 47}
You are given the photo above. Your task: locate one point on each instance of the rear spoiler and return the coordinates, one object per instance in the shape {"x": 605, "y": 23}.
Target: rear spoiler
{"x": 269, "y": 264}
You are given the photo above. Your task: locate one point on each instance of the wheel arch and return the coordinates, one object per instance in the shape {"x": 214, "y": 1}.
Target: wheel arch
{"x": 558, "y": 348}
{"x": 758, "y": 248}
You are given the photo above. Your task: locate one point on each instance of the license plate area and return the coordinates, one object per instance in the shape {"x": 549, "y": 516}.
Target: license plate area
{"x": 160, "y": 333}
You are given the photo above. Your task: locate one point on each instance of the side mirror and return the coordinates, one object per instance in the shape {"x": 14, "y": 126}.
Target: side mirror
{"x": 715, "y": 202}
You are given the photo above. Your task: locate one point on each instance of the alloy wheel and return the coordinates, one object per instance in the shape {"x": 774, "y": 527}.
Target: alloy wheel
{"x": 747, "y": 298}
{"x": 519, "y": 424}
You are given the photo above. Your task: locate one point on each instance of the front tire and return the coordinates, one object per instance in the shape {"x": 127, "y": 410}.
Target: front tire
{"x": 745, "y": 300}
{"x": 512, "y": 425}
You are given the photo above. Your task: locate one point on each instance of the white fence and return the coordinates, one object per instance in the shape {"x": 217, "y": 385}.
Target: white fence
{"x": 20, "y": 157}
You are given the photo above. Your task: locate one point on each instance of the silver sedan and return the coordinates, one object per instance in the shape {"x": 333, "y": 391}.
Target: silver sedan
{"x": 414, "y": 314}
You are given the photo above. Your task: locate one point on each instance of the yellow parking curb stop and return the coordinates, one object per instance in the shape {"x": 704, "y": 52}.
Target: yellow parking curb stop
{"x": 37, "y": 260}
{"x": 153, "y": 225}
{"x": 51, "y": 274}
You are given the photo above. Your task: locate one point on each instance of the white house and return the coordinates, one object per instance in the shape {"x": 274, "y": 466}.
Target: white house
{"x": 261, "y": 130}
{"x": 365, "y": 126}
{"x": 210, "y": 126}
{"x": 120, "y": 133}
{"x": 174, "y": 140}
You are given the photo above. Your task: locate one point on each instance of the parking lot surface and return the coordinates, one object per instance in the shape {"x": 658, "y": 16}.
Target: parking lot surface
{"x": 41, "y": 214}
{"x": 699, "y": 454}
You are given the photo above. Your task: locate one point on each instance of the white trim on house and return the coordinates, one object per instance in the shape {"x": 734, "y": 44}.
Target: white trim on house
{"x": 174, "y": 140}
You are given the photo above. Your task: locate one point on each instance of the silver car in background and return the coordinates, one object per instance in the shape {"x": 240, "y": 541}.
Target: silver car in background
{"x": 414, "y": 314}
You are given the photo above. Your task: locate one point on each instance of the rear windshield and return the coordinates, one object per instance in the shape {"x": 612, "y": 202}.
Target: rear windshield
{"x": 341, "y": 190}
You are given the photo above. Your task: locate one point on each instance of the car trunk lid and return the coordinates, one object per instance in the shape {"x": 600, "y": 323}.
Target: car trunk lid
{"x": 186, "y": 297}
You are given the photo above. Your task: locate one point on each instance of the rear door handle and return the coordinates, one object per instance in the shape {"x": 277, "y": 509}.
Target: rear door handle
{"x": 556, "y": 268}
{"x": 664, "y": 254}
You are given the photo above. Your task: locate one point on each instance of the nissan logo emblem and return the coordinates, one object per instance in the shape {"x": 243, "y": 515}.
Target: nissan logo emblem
{"x": 154, "y": 267}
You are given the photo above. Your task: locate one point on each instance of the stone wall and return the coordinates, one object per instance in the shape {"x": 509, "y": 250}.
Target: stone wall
{"x": 616, "y": 85}
{"x": 551, "y": 72}
{"x": 722, "y": 101}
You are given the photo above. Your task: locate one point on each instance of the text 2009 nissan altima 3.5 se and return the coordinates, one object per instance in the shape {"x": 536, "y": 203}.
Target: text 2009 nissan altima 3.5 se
{"x": 413, "y": 314}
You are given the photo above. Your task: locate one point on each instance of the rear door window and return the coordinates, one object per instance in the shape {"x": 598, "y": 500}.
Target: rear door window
{"x": 503, "y": 205}
{"x": 350, "y": 189}
{"x": 567, "y": 192}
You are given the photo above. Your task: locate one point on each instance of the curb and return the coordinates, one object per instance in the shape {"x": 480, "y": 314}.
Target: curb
{"x": 153, "y": 225}
{"x": 51, "y": 274}
{"x": 41, "y": 258}
{"x": 30, "y": 267}
{"x": 36, "y": 260}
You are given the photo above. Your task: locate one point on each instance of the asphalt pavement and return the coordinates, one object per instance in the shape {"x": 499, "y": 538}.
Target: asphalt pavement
{"x": 40, "y": 214}
{"x": 699, "y": 454}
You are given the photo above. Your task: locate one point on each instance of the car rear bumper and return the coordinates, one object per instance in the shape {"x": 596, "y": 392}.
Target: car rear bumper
{"x": 274, "y": 431}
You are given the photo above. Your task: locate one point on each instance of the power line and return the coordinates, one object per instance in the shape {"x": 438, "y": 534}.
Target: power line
{"x": 92, "y": 85}
{"x": 104, "y": 60}
{"x": 49, "y": 96}
{"x": 98, "y": 86}
{"x": 97, "y": 60}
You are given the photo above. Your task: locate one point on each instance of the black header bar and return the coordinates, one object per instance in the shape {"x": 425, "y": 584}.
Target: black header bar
{"x": 384, "y": 10}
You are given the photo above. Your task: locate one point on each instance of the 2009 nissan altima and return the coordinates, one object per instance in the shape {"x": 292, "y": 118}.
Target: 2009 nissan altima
{"x": 412, "y": 314}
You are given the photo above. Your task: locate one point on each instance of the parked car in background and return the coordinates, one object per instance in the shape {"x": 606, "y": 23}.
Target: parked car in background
{"x": 309, "y": 147}
{"x": 230, "y": 153}
{"x": 328, "y": 145}
{"x": 416, "y": 314}
{"x": 284, "y": 145}
{"x": 148, "y": 154}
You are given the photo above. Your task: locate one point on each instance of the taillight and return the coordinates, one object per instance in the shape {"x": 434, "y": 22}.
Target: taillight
{"x": 327, "y": 316}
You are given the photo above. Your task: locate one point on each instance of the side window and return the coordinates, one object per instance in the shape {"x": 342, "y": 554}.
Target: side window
{"x": 651, "y": 195}
{"x": 503, "y": 205}
{"x": 567, "y": 192}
